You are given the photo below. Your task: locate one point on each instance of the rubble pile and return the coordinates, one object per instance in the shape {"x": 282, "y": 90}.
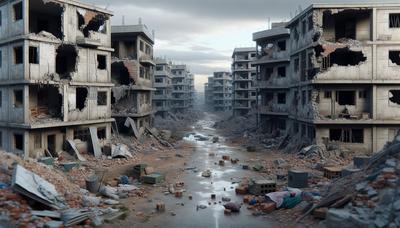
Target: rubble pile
{"x": 177, "y": 123}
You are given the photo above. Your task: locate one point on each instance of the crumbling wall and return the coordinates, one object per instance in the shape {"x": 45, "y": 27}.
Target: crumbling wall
{"x": 387, "y": 103}
{"x": 92, "y": 25}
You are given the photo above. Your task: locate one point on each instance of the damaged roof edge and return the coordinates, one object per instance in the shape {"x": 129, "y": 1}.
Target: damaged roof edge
{"x": 132, "y": 29}
{"x": 86, "y": 6}
{"x": 338, "y": 6}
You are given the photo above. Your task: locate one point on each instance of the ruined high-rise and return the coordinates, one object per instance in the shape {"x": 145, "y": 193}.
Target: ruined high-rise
{"x": 133, "y": 76}
{"x": 55, "y": 75}
{"x": 163, "y": 84}
{"x": 342, "y": 86}
{"x": 181, "y": 89}
{"x": 244, "y": 92}
{"x": 222, "y": 92}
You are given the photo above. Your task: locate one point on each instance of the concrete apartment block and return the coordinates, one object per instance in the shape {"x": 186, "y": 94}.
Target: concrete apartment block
{"x": 243, "y": 73}
{"x": 181, "y": 92}
{"x": 209, "y": 93}
{"x": 163, "y": 84}
{"x": 55, "y": 59}
{"x": 222, "y": 92}
{"x": 133, "y": 76}
{"x": 342, "y": 86}
{"x": 192, "y": 91}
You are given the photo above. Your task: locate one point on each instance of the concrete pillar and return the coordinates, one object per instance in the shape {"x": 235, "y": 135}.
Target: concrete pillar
{"x": 374, "y": 140}
{"x": 374, "y": 102}
{"x": 65, "y": 102}
{"x": 374, "y": 25}
{"x": 26, "y": 104}
{"x": 26, "y": 144}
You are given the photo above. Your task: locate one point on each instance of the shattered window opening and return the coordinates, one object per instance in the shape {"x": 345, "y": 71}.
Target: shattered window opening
{"x": 18, "y": 98}
{"x": 120, "y": 74}
{"x": 102, "y": 98}
{"x": 394, "y": 96}
{"x": 394, "y": 20}
{"x": 66, "y": 60}
{"x": 18, "y": 141}
{"x": 17, "y": 10}
{"x": 346, "y": 57}
{"x": 18, "y": 55}
{"x": 46, "y": 102}
{"x": 89, "y": 21}
{"x": 281, "y": 98}
{"x": 282, "y": 72}
{"x": 394, "y": 57}
{"x": 346, "y": 97}
{"x": 45, "y": 18}
{"x": 101, "y": 62}
{"x": 81, "y": 97}
{"x": 33, "y": 55}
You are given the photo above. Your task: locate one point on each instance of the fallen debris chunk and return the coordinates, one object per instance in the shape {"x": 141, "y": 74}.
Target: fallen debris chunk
{"x": 120, "y": 151}
{"x": 95, "y": 142}
{"x": 234, "y": 207}
{"x": 206, "y": 173}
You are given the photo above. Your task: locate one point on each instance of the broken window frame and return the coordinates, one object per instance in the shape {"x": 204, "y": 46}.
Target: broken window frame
{"x": 18, "y": 11}
{"x": 394, "y": 20}
{"x": 33, "y": 55}
{"x": 101, "y": 62}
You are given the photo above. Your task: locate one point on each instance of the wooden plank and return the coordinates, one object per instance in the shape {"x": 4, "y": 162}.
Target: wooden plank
{"x": 95, "y": 142}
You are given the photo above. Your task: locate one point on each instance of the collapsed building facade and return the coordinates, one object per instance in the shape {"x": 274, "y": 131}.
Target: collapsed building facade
{"x": 244, "y": 78}
{"x": 133, "y": 76}
{"x": 55, "y": 71}
{"x": 342, "y": 86}
{"x": 219, "y": 93}
{"x": 163, "y": 85}
{"x": 182, "y": 89}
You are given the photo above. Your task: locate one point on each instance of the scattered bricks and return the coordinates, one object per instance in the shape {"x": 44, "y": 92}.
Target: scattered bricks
{"x": 178, "y": 194}
{"x": 268, "y": 207}
{"x": 332, "y": 172}
{"x": 320, "y": 213}
{"x": 361, "y": 161}
{"x": 227, "y": 212}
{"x": 160, "y": 207}
{"x": 241, "y": 190}
{"x": 297, "y": 179}
{"x": 247, "y": 198}
{"x": 262, "y": 187}
{"x": 226, "y": 157}
{"x": 221, "y": 163}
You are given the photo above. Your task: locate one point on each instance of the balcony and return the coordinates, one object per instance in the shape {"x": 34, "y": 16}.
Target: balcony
{"x": 146, "y": 59}
{"x": 274, "y": 109}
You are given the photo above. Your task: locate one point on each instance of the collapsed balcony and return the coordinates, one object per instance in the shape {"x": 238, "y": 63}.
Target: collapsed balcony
{"x": 45, "y": 104}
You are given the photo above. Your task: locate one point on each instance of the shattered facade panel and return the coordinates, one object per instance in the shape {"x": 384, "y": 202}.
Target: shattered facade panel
{"x": 133, "y": 76}
{"x": 342, "y": 80}
{"x": 41, "y": 73}
{"x": 243, "y": 74}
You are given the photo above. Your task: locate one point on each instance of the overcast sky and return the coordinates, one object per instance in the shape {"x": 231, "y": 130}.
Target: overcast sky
{"x": 203, "y": 33}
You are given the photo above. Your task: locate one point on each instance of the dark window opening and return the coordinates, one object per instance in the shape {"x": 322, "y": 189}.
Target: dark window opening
{"x": 33, "y": 55}
{"x": 18, "y": 98}
{"x": 346, "y": 57}
{"x": 82, "y": 134}
{"x": 1, "y": 139}
{"x": 328, "y": 94}
{"x": 101, "y": 133}
{"x": 362, "y": 94}
{"x": 296, "y": 65}
{"x": 19, "y": 141}
{"x": 394, "y": 96}
{"x": 1, "y": 98}
{"x": 304, "y": 26}
{"x": 47, "y": 102}
{"x": 303, "y": 97}
{"x": 282, "y": 72}
{"x": 17, "y": 9}
{"x": 281, "y": 98}
{"x": 346, "y": 29}
{"x": 394, "y": 57}
{"x": 346, "y": 97}
{"x": 101, "y": 62}
{"x": 102, "y": 98}
{"x": 45, "y": 18}
{"x": 282, "y": 45}
{"x": 120, "y": 74}
{"x": 18, "y": 55}
{"x": 310, "y": 23}
{"x": 347, "y": 135}
{"x": 81, "y": 97}
{"x": 394, "y": 20}
{"x": 158, "y": 80}
{"x": 66, "y": 60}
{"x": 159, "y": 68}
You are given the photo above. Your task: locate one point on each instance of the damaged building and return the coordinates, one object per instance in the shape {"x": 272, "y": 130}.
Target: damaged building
{"x": 341, "y": 85}
{"x": 55, "y": 64}
{"x": 163, "y": 84}
{"x": 132, "y": 72}
{"x": 218, "y": 92}
{"x": 244, "y": 76}
{"x": 182, "y": 89}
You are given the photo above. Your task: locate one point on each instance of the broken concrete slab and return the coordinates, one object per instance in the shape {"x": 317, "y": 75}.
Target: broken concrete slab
{"x": 75, "y": 150}
{"x": 129, "y": 122}
{"x": 95, "y": 142}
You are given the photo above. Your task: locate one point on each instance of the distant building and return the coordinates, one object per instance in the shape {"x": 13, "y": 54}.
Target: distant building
{"x": 182, "y": 89}
{"x": 244, "y": 75}
{"x": 163, "y": 84}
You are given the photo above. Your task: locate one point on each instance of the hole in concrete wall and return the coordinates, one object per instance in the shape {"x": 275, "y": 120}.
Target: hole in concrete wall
{"x": 66, "y": 60}
{"x": 81, "y": 97}
{"x": 18, "y": 55}
{"x": 120, "y": 74}
{"x": 282, "y": 45}
{"x": 394, "y": 20}
{"x": 281, "y": 98}
{"x": 45, "y": 16}
{"x": 91, "y": 21}
{"x": 394, "y": 57}
{"x": 17, "y": 11}
{"x": 19, "y": 141}
{"x": 394, "y": 96}
{"x": 18, "y": 98}
{"x": 347, "y": 135}
{"x": 45, "y": 102}
{"x": 101, "y": 98}
{"x": 33, "y": 55}
{"x": 346, "y": 57}
{"x": 282, "y": 72}
{"x": 101, "y": 62}
{"x": 346, "y": 97}
{"x": 318, "y": 50}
